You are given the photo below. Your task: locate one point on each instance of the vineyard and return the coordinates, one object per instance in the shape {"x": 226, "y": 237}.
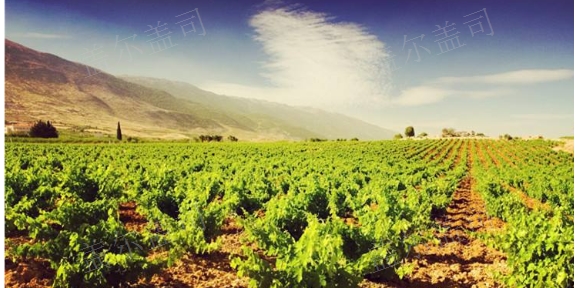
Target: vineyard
{"x": 445, "y": 213}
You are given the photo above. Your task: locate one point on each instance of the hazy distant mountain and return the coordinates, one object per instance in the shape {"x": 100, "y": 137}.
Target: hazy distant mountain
{"x": 249, "y": 111}
{"x": 44, "y": 86}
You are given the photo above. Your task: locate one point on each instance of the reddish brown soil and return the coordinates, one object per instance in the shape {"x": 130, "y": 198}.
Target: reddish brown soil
{"x": 491, "y": 156}
{"x": 212, "y": 270}
{"x": 477, "y": 150}
{"x": 458, "y": 155}
{"x": 530, "y": 202}
{"x": 131, "y": 219}
{"x": 436, "y": 153}
{"x": 34, "y": 273}
{"x": 459, "y": 260}
{"x": 26, "y": 273}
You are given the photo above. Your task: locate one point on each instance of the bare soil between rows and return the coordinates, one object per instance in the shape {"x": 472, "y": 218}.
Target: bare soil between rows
{"x": 460, "y": 260}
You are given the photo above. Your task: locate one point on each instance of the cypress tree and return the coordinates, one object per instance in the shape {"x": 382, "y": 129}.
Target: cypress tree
{"x": 119, "y": 132}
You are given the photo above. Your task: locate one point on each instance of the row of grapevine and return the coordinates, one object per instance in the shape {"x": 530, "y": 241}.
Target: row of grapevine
{"x": 312, "y": 214}
{"x": 539, "y": 243}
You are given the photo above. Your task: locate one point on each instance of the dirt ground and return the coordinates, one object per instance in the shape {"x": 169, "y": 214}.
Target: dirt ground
{"x": 460, "y": 260}
{"x": 568, "y": 146}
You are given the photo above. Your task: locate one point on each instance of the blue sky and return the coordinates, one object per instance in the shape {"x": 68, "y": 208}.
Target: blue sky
{"x": 490, "y": 66}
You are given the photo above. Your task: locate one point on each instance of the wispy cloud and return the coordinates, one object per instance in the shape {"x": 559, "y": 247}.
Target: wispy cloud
{"x": 542, "y": 116}
{"x": 442, "y": 88}
{"x": 314, "y": 60}
{"x": 421, "y": 95}
{"x": 428, "y": 94}
{"x": 44, "y": 36}
{"x": 531, "y": 76}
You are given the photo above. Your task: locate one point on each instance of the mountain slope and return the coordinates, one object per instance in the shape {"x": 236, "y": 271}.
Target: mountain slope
{"x": 44, "y": 86}
{"x": 329, "y": 125}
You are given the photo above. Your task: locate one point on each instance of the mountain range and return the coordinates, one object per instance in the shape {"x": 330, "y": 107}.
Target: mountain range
{"x": 44, "y": 86}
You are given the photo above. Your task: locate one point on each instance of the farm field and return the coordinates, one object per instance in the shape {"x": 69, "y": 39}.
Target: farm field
{"x": 428, "y": 213}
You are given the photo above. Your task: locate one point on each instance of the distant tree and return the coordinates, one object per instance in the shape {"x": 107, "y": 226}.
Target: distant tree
{"x": 132, "y": 139}
{"x": 354, "y": 139}
{"x": 506, "y": 137}
{"x": 317, "y": 140}
{"x": 118, "y": 132}
{"x": 480, "y": 135}
{"x": 43, "y": 130}
{"x": 232, "y": 139}
{"x": 398, "y": 136}
{"x": 210, "y": 138}
{"x": 422, "y": 135}
{"x": 473, "y": 133}
{"x": 448, "y": 132}
{"x": 409, "y": 132}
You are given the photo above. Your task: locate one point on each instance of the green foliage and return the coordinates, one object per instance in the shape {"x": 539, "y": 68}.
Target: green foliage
{"x": 119, "y": 132}
{"x": 409, "y": 131}
{"x": 321, "y": 214}
{"x": 506, "y": 137}
{"x": 43, "y": 130}
{"x": 540, "y": 250}
{"x": 448, "y": 132}
{"x": 210, "y": 138}
{"x": 317, "y": 140}
{"x": 398, "y": 136}
{"x": 538, "y": 242}
{"x": 315, "y": 260}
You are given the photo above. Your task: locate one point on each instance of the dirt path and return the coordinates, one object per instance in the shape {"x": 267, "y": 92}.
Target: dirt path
{"x": 459, "y": 260}
{"x": 211, "y": 270}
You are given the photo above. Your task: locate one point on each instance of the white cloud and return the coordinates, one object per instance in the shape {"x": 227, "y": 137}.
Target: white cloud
{"x": 421, "y": 95}
{"x": 428, "y": 94}
{"x": 542, "y": 116}
{"x": 442, "y": 88}
{"x": 44, "y": 35}
{"x": 316, "y": 61}
{"x": 531, "y": 76}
